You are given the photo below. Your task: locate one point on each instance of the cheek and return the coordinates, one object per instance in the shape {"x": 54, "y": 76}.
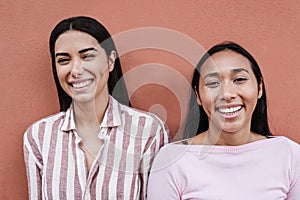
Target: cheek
{"x": 96, "y": 69}
{"x": 103, "y": 78}
{"x": 59, "y": 72}
{"x": 62, "y": 74}
{"x": 208, "y": 95}
{"x": 100, "y": 65}
{"x": 251, "y": 95}
{"x": 207, "y": 98}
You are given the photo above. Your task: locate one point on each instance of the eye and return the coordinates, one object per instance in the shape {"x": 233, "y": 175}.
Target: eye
{"x": 240, "y": 80}
{"x": 212, "y": 84}
{"x": 88, "y": 56}
{"x": 63, "y": 61}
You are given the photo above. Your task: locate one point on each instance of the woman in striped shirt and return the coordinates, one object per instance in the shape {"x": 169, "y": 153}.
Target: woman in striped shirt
{"x": 96, "y": 147}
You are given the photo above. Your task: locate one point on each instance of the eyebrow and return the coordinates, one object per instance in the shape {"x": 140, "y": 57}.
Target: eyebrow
{"x": 216, "y": 74}
{"x": 87, "y": 49}
{"x": 239, "y": 70}
{"x": 81, "y": 51}
{"x": 61, "y": 54}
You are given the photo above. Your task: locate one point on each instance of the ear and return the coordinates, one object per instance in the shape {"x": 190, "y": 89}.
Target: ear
{"x": 197, "y": 95}
{"x": 260, "y": 90}
{"x": 111, "y": 60}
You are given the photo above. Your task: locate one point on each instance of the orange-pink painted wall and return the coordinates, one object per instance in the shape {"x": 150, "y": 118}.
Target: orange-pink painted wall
{"x": 268, "y": 29}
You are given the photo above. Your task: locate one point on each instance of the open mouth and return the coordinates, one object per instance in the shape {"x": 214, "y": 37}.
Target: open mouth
{"x": 230, "y": 110}
{"x": 83, "y": 84}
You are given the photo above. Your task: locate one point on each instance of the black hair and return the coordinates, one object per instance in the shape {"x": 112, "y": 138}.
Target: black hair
{"x": 197, "y": 120}
{"x": 98, "y": 31}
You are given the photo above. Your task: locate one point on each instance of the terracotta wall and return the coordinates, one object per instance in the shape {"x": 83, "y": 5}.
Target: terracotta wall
{"x": 162, "y": 69}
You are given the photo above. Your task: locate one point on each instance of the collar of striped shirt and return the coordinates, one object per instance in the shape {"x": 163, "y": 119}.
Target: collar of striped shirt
{"x": 112, "y": 116}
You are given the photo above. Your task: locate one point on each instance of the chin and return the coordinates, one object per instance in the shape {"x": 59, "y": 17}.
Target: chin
{"x": 231, "y": 129}
{"x": 83, "y": 99}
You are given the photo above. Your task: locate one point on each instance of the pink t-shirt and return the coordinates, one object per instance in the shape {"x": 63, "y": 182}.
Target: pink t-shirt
{"x": 267, "y": 169}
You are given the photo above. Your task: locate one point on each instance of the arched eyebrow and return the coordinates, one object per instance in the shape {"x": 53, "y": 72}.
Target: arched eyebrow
{"x": 234, "y": 71}
{"x": 214, "y": 74}
{"x": 87, "y": 49}
{"x": 61, "y": 54}
{"x": 239, "y": 70}
{"x": 81, "y": 51}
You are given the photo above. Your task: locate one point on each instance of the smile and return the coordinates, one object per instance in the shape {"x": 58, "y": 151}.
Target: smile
{"x": 229, "y": 111}
{"x": 82, "y": 84}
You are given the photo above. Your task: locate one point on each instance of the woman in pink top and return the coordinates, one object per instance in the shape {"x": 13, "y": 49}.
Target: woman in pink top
{"x": 230, "y": 153}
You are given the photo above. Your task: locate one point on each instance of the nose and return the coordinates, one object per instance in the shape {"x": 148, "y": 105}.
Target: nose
{"x": 76, "y": 69}
{"x": 229, "y": 91}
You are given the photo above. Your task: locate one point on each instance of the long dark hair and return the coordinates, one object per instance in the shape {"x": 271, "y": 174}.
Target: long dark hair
{"x": 98, "y": 31}
{"x": 197, "y": 120}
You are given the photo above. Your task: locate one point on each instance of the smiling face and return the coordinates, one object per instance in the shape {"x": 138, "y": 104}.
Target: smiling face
{"x": 228, "y": 91}
{"x": 82, "y": 66}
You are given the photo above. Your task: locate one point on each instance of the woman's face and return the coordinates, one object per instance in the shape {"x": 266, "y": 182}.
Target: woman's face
{"x": 228, "y": 91}
{"x": 82, "y": 66}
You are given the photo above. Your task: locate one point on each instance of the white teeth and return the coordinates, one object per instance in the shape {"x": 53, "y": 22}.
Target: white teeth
{"x": 82, "y": 84}
{"x": 229, "y": 110}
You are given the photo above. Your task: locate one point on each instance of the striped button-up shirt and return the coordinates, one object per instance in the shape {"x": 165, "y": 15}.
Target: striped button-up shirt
{"x": 56, "y": 165}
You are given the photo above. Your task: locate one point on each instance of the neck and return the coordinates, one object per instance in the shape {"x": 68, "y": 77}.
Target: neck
{"x": 233, "y": 139}
{"x": 218, "y": 136}
{"x": 90, "y": 113}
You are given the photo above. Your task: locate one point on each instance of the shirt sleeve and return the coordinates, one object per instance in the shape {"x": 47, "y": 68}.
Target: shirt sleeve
{"x": 294, "y": 192}
{"x": 159, "y": 139}
{"x": 33, "y": 163}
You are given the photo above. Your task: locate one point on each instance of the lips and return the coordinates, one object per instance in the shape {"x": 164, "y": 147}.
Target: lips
{"x": 229, "y": 110}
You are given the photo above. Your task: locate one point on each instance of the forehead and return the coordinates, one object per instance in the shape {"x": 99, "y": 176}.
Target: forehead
{"x": 225, "y": 62}
{"x": 74, "y": 39}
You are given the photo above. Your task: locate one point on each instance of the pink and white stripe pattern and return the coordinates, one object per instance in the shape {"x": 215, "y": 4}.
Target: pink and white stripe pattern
{"x": 56, "y": 166}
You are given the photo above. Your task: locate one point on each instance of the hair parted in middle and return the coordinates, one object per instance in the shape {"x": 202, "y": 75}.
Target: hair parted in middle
{"x": 98, "y": 31}
{"x": 197, "y": 120}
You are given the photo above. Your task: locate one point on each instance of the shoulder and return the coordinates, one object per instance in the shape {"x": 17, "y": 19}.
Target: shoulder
{"x": 40, "y": 131}
{"x": 286, "y": 143}
{"x": 143, "y": 118}
{"x": 292, "y": 152}
{"x": 140, "y": 124}
{"x": 285, "y": 148}
{"x": 126, "y": 110}
{"x": 49, "y": 119}
{"x": 170, "y": 155}
{"x": 293, "y": 147}
{"x": 38, "y": 126}
{"x": 135, "y": 114}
